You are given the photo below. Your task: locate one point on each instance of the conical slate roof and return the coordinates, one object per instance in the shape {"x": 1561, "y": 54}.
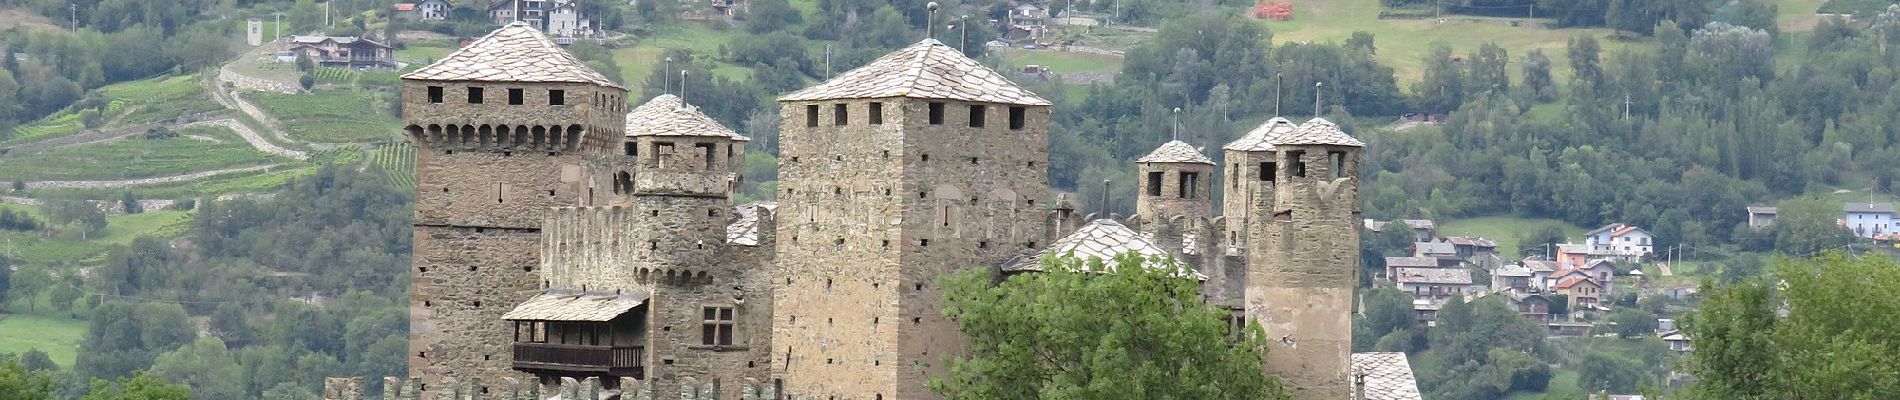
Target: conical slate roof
{"x": 1317, "y": 131}
{"x": 1260, "y": 138}
{"x": 1104, "y": 239}
{"x": 926, "y": 70}
{"x": 515, "y": 53}
{"x": 668, "y": 115}
{"x": 1175, "y": 152}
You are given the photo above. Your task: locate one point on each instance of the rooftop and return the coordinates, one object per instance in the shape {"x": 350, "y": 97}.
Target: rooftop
{"x": 575, "y": 305}
{"x": 1421, "y": 262}
{"x": 1761, "y": 210}
{"x": 745, "y": 230}
{"x": 668, "y": 115}
{"x": 1513, "y": 270}
{"x": 926, "y": 70}
{"x": 1102, "y": 239}
{"x": 1433, "y": 248}
{"x": 1441, "y": 276}
{"x": 1421, "y": 224}
{"x": 1260, "y": 138}
{"x": 1384, "y": 376}
{"x": 515, "y": 53}
{"x": 1317, "y": 131}
{"x": 1868, "y": 208}
{"x": 1574, "y": 281}
{"x": 1176, "y": 152}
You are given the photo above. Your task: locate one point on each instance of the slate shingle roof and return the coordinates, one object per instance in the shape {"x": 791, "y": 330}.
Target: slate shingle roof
{"x": 745, "y": 230}
{"x": 1868, "y": 207}
{"x": 1104, "y": 239}
{"x": 1439, "y": 276}
{"x": 1175, "y": 152}
{"x": 926, "y": 70}
{"x": 574, "y": 305}
{"x": 1260, "y": 138}
{"x": 1386, "y": 376}
{"x": 1421, "y": 262}
{"x": 1317, "y": 131}
{"x": 515, "y": 53}
{"x": 668, "y": 115}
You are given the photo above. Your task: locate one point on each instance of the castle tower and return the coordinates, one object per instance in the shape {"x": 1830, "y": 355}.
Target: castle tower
{"x": 502, "y": 128}
{"x": 1175, "y": 182}
{"x": 1303, "y": 259}
{"x": 920, "y": 163}
{"x": 1251, "y": 169}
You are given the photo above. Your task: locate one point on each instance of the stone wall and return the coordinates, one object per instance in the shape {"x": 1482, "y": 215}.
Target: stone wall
{"x": 1303, "y": 264}
{"x": 1168, "y": 203}
{"x": 870, "y": 216}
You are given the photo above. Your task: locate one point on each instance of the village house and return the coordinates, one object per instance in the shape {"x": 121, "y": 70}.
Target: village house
{"x": 1472, "y": 246}
{"x": 1540, "y": 271}
{"x": 1434, "y": 284}
{"x": 728, "y": 8}
{"x": 1572, "y": 255}
{"x": 425, "y": 10}
{"x": 1027, "y": 20}
{"x": 1761, "y": 217}
{"x": 1584, "y": 292}
{"x": 1443, "y": 251}
{"x": 1423, "y": 230}
{"x": 343, "y": 52}
{"x": 1677, "y": 341}
{"x": 1620, "y": 240}
{"x": 1869, "y": 220}
{"x": 1532, "y": 306}
{"x": 1511, "y": 278}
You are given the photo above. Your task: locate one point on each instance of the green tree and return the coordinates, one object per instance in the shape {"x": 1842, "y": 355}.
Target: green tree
{"x": 1443, "y": 87}
{"x": 1632, "y": 322}
{"x": 28, "y": 283}
{"x": 765, "y": 16}
{"x": 139, "y": 386}
{"x": 36, "y": 360}
{"x": 1808, "y": 224}
{"x": 1603, "y": 371}
{"x": 130, "y": 203}
{"x": 1488, "y": 68}
{"x": 1066, "y": 333}
{"x": 205, "y": 366}
{"x": 1389, "y": 309}
{"x": 17, "y": 382}
{"x": 1822, "y": 325}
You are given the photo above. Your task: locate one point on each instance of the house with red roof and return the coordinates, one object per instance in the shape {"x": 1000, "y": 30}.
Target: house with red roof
{"x": 1620, "y": 240}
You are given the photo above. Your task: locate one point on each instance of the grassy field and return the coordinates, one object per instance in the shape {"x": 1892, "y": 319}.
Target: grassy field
{"x": 137, "y": 157}
{"x": 1062, "y": 62}
{"x": 638, "y": 62}
{"x": 329, "y": 116}
{"x": 1505, "y": 230}
{"x": 234, "y": 182}
{"x": 55, "y": 335}
{"x": 1403, "y": 44}
{"x": 33, "y": 247}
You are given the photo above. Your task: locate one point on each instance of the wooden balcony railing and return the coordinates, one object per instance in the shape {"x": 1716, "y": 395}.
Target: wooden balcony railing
{"x": 623, "y": 360}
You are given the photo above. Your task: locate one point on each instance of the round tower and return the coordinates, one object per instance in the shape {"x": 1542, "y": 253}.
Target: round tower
{"x": 1174, "y": 183}
{"x": 1251, "y": 171}
{"x": 1304, "y": 258}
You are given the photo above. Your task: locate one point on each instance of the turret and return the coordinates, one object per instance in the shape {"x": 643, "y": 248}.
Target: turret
{"x": 1303, "y": 258}
{"x": 1174, "y": 183}
{"x": 672, "y": 149}
{"x": 1251, "y": 169}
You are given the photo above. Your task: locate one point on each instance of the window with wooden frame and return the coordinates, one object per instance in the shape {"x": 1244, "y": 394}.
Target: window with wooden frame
{"x": 716, "y": 329}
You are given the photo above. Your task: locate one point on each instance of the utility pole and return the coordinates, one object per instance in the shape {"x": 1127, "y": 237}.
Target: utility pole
{"x": 1626, "y": 106}
{"x": 963, "y": 33}
{"x": 827, "y": 60}
{"x": 75, "y": 16}
{"x": 326, "y": 16}
{"x": 682, "y": 86}
{"x": 279, "y": 22}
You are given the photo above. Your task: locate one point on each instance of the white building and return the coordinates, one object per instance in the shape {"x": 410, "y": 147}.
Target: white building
{"x": 1869, "y": 220}
{"x": 1620, "y": 240}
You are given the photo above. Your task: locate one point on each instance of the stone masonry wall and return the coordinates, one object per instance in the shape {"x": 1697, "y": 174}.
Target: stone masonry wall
{"x": 1169, "y": 203}
{"x": 1244, "y": 180}
{"x": 463, "y": 280}
{"x": 1304, "y": 265}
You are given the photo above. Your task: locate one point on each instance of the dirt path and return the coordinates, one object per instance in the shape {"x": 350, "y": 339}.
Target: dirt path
{"x": 137, "y": 182}
{"x": 254, "y": 139}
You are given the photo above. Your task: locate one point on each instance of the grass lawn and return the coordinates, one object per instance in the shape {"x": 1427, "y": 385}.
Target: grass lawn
{"x": 1062, "y": 62}
{"x": 330, "y": 116}
{"x": 1505, "y": 230}
{"x": 137, "y": 157}
{"x": 37, "y": 248}
{"x": 1563, "y": 385}
{"x": 56, "y": 335}
{"x": 638, "y": 62}
{"x": 1403, "y": 44}
{"x": 160, "y": 98}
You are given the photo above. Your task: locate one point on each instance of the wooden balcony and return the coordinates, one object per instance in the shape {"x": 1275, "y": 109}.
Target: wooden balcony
{"x": 618, "y": 361}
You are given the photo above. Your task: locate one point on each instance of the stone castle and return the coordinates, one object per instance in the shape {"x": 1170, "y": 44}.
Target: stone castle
{"x": 564, "y": 236}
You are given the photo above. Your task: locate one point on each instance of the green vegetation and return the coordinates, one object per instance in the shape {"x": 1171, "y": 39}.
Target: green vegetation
{"x": 330, "y": 116}
{"x": 194, "y": 149}
{"x": 1404, "y": 43}
{"x": 58, "y": 336}
{"x": 1506, "y": 230}
{"x": 161, "y": 98}
{"x": 1855, "y": 7}
{"x": 1071, "y": 331}
{"x": 1822, "y": 325}
{"x": 398, "y": 161}
{"x": 1063, "y": 62}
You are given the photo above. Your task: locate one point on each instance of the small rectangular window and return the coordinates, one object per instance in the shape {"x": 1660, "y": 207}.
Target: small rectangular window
{"x": 435, "y": 94}
{"x": 633, "y": 149}
{"x": 1298, "y": 158}
{"x": 1018, "y": 117}
{"x": 1235, "y": 176}
{"x": 1154, "y": 183}
{"x": 709, "y": 151}
{"x": 514, "y": 97}
{"x": 661, "y": 152}
{"x": 976, "y": 116}
{"x": 838, "y": 114}
{"x": 877, "y": 113}
{"x": 557, "y": 97}
{"x": 811, "y": 115}
{"x": 474, "y": 95}
{"x": 936, "y": 113}
{"x": 1269, "y": 172}
{"x": 1337, "y": 163}
{"x": 1189, "y": 182}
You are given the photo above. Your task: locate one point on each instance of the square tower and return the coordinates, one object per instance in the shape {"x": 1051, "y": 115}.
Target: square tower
{"x": 1303, "y": 258}
{"x": 504, "y": 129}
{"x": 920, "y": 163}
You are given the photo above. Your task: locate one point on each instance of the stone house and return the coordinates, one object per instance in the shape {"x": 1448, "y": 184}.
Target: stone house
{"x": 425, "y": 10}
{"x": 1027, "y": 20}
{"x": 1512, "y": 278}
{"x": 1436, "y": 284}
{"x": 563, "y": 236}
{"x": 1533, "y": 306}
{"x": 1584, "y": 292}
{"x": 1869, "y": 220}
{"x": 343, "y": 51}
{"x": 1761, "y": 217}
